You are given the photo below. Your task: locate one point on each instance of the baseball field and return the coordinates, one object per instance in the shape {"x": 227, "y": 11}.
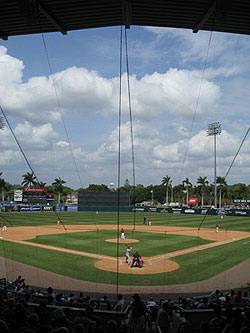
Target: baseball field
{"x": 85, "y": 252}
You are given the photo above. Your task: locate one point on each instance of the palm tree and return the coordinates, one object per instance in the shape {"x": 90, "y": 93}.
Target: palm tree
{"x": 58, "y": 184}
{"x": 178, "y": 193}
{"x": 187, "y": 186}
{"x": 203, "y": 185}
{"x": 166, "y": 181}
{"x": 29, "y": 179}
{"x": 222, "y": 182}
{"x": 3, "y": 186}
{"x": 41, "y": 184}
{"x": 242, "y": 191}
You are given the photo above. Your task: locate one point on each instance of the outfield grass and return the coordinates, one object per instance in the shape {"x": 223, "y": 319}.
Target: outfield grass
{"x": 194, "y": 267}
{"x": 83, "y": 218}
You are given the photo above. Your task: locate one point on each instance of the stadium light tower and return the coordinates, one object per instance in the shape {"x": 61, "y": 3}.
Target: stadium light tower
{"x": 1, "y": 123}
{"x": 214, "y": 129}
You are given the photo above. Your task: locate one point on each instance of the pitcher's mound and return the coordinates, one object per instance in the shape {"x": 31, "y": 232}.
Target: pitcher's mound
{"x": 123, "y": 241}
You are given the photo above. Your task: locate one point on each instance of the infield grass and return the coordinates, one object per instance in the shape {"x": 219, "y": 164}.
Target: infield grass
{"x": 150, "y": 244}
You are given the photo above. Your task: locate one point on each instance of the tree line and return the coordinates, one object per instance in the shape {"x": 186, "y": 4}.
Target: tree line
{"x": 165, "y": 192}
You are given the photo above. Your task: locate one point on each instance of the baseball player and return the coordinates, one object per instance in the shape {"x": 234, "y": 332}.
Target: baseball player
{"x": 58, "y": 221}
{"x": 217, "y": 227}
{"x": 4, "y": 226}
{"x": 122, "y": 234}
{"x": 149, "y": 221}
{"x": 221, "y": 216}
{"x": 128, "y": 255}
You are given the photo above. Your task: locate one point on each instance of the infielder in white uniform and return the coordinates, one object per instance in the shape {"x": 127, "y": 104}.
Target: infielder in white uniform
{"x": 128, "y": 255}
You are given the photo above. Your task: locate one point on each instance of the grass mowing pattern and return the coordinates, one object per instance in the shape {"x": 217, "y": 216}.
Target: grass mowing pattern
{"x": 150, "y": 244}
{"x": 194, "y": 267}
{"x": 83, "y": 218}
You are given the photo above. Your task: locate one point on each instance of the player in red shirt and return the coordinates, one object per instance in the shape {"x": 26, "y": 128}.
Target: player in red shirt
{"x": 122, "y": 234}
{"x": 4, "y": 226}
{"x": 217, "y": 227}
{"x": 58, "y": 221}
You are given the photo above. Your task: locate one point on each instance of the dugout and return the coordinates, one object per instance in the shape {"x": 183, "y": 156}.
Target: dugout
{"x": 105, "y": 201}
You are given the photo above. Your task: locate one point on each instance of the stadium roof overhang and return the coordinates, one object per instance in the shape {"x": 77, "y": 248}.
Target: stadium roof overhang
{"x": 21, "y": 17}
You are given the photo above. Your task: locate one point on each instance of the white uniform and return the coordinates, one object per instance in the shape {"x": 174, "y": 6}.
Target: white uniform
{"x": 122, "y": 234}
{"x": 128, "y": 255}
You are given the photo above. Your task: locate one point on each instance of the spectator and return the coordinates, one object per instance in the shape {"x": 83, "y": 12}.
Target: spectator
{"x": 203, "y": 304}
{"x": 111, "y": 326}
{"x": 79, "y": 299}
{"x": 238, "y": 298}
{"x": 137, "y": 318}
{"x": 218, "y": 321}
{"x": 51, "y": 296}
{"x": 79, "y": 328}
{"x": 163, "y": 320}
{"x": 151, "y": 302}
{"x": 18, "y": 280}
{"x": 71, "y": 298}
{"x": 3, "y": 327}
{"x": 106, "y": 303}
{"x": 205, "y": 327}
{"x": 234, "y": 327}
{"x": 119, "y": 306}
{"x": 246, "y": 324}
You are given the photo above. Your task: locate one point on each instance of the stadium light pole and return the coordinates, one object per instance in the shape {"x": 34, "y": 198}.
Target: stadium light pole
{"x": 1, "y": 123}
{"x": 214, "y": 129}
{"x": 152, "y": 199}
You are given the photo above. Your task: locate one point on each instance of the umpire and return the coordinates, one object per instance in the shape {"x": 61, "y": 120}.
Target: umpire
{"x": 136, "y": 259}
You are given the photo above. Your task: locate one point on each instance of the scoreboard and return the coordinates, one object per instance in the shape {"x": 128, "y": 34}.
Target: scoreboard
{"x": 103, "y": 199}
{"x": 37, "y": 195}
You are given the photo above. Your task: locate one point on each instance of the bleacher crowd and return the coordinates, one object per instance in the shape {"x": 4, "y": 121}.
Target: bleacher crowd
{"x": 28, "y": 310}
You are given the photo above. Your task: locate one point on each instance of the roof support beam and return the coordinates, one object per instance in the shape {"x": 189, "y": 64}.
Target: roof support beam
{"x": 205, "y": 17}
{"x": 52, "y": 20}
{"x": 127, "y": 13}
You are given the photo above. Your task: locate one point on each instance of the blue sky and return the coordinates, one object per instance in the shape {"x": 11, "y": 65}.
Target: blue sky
{"x": 169, "y": 88}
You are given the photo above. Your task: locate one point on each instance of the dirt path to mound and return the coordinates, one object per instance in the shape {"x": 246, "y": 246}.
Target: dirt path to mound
{"x": 153, "y": 265}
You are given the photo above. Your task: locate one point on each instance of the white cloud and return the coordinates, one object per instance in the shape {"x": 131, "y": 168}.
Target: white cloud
{"x": 10, "y": 69}
{"x": 62, "y": 144}
{"x": 83, "y": 91}
{"x": 37, "y": 136}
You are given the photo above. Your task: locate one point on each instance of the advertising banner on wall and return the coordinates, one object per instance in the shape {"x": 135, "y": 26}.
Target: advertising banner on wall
{"x": 72, "y": 208}
{"x": 18, "y": 195}
{"x": 60, "y": 208}
{"x": 30, "y": 209}
{"x": 241, "y": 200}
{"x": 48, "y": 208}
{"x": 189, "y": 211}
